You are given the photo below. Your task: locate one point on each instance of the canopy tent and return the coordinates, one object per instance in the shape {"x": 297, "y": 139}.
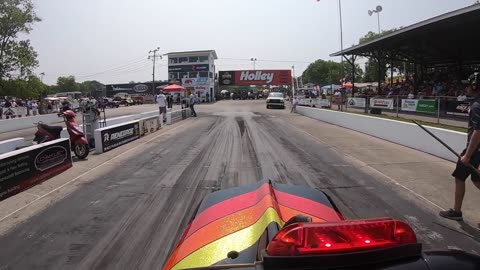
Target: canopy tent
{"x": 174, "y": 88}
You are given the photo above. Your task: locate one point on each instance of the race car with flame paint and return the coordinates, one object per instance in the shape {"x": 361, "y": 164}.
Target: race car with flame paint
{"x": 278, "y": 226}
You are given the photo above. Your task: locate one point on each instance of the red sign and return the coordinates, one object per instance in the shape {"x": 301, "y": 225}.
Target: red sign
{"x": 256, "y": 77}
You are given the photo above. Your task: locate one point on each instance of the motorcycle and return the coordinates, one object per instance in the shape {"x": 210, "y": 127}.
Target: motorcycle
{"x": 78, "y": 141}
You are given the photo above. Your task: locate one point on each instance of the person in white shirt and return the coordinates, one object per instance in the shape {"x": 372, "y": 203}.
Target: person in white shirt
{"x": 294, "y": 105}
{"x": 192, "y": 105}
{"x": 411, "y": 96}
{"x": 161, "y": 100}
{"x": 462, "y": 97}
{"x": 34, "y": 107}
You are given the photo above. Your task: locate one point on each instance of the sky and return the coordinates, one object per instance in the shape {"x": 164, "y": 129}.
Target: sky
{"x": 109, "y": 40}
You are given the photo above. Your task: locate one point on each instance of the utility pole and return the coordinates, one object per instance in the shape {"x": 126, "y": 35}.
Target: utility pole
{"x": 253, "y": 60}
{"x": 154, "y": 57}
{"x": 293, "y": 82}
{"x": 341, "y": 36}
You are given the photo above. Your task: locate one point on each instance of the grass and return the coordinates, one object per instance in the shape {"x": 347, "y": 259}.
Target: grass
{"x": 426, "y": 123}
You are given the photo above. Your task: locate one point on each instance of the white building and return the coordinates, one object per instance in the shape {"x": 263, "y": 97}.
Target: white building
{"x": 194, "y": 70}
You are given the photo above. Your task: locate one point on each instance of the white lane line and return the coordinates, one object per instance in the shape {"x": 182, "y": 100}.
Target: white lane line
{"x": 367, "y": 165}
{"x": 85, "y": 173}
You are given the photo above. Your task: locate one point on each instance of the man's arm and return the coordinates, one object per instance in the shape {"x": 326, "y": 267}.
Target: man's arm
{"x": 472, "y": 146}
{"x": 475, "y": 139}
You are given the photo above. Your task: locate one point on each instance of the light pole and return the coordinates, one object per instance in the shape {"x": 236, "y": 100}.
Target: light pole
{"x": 154, "y": 57}
{"x": 377, "y": 10}
{"x": 253, "y": 60}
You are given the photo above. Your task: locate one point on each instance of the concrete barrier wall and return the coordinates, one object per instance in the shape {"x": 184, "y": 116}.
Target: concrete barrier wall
{"x": 27, "y": 122}
{"x": 11, "y": 145}
{"x": 406, "y": 134}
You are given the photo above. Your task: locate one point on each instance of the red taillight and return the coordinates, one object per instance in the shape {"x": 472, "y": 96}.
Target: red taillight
{"x": 345, "y": 236}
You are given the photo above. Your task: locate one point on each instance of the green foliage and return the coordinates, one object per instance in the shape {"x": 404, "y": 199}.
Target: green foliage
{"x": 32, "y": 87}
{"x": 328, "y": 72}
{"x": 67, "y": 84}
{"x": 17, "y": 57}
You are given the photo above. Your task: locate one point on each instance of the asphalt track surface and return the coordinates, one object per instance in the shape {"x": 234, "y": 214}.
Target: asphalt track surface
{"x": 133, "y": 210}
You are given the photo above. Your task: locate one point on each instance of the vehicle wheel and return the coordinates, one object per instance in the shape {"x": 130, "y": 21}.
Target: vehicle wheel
{"x": 81, "y": 150}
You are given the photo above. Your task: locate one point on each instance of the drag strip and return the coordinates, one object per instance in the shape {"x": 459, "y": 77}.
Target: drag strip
{"x": 128, "y": 212}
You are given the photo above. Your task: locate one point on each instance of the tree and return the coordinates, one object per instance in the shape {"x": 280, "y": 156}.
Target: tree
{"x": 328, "y": 72}
{"x": 371, "y": 71}
{"x": 17, "y": 57}
{"x": 94, "y": 88}
{"x": 67, "y": 84}
{"x": 32, "y": 87}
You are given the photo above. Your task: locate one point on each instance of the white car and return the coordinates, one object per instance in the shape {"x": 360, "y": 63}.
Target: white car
{"x": 275, "y": 100}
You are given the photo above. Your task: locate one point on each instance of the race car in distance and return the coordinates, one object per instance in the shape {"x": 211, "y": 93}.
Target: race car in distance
{"x": 275, "y": 99}
{"x": 278, "y": 226}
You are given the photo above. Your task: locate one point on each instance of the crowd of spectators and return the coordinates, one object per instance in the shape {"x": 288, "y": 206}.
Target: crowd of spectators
{"x": 436, "y": 85}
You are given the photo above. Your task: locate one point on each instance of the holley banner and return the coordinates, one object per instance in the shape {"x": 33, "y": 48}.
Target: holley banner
{"x": 256, "y": 77}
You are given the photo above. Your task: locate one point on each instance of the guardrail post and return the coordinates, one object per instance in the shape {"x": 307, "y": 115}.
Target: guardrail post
{"x": 397, "y": 105}
{"x": 438, "y": 110}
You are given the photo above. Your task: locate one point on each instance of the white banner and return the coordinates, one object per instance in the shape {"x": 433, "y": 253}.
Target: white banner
{"x": 356, "y": 102}
{"x": 322, "y": 103}
{"x": 409, "y": 105}
{"x": 18, "y": 111}
{"x": 381, "y": 103}
{"x": 149, "y": 125}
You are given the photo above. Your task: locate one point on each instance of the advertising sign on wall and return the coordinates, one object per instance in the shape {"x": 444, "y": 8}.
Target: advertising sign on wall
{"x": 256, "y": 77}
{"x": 189, "y": 82}
{"x": 149, "y": 125}
{"x": 24, "y": 168}
{"x": 419, "y": 105}
{"x": 119, "y": 135}
{"x": 356, "y": 102}
{"x": 381, "y": 103}
{"x": 188, "y": 68}
{"x": 454, "y": 107}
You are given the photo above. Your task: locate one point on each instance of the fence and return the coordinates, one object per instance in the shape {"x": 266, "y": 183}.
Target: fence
{"x": 436, "y": 108}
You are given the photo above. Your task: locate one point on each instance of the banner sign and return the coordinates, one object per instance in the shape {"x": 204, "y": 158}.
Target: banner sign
{"x": 26, "y": 167}
{"x": 454, "y": 107}
{"x": 356, "y": 102}
{"x": 149, "y": 125}
{"x": 119, "y": 135}
{"x": 17, "y": 111}
{"x": 381, "y": 103}
{"x": 323, "y": 103}
{"x": 255, "y": 77}
{"x": 419, "y": 105}
{"x": 188, "y": 68}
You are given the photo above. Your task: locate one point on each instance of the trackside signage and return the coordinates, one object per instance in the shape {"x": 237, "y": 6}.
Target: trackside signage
{"x": 255, "y": 77}
{"x": 381, "y": 103}
{"x": 26, "y": 167}
{"x": 419, "y": 105}
{"x": 119, "y": 135}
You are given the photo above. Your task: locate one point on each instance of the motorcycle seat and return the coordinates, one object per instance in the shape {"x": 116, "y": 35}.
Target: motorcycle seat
{"x": 55, "y": 130}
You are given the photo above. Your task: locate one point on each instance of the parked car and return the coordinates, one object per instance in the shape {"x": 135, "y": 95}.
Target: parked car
{"x": 138, "y": 100}
{"x": 110, "y": 102}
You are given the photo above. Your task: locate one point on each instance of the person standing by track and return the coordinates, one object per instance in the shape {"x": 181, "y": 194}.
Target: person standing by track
{"x": 162, "y": 104}
{"x": 192, "y": 104}
{"x": 471, "y": 155}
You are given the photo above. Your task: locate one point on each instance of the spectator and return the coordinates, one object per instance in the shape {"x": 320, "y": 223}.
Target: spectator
{"x": 192, "y": 105}
{"x": 162, "y": 106}
{"x": 411, "y": 95}
{"x": 34, "y": 106}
